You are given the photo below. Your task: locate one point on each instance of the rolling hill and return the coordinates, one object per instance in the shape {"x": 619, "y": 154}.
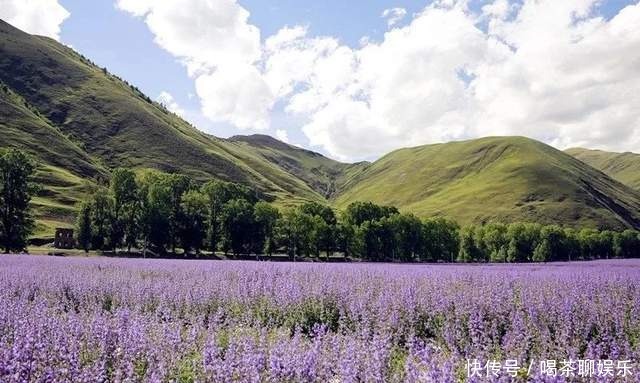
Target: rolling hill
{"x": 328, "y": 177}
{"x": 89, "y": 121}
{"x": 496, "y": 179}
{"x": 80, "y": 122}
{"x": 624, "y": 167}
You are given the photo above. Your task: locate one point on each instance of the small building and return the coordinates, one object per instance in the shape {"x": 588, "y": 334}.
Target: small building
{"x": 64, "y": 239}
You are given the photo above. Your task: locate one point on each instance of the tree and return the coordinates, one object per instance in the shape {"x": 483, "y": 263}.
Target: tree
{"x": 83, "y": 226}
{"x": 495, "y": 242}
{"x": 193, "y": 230}
{"x": 266, "y": 218}
{"x": 178, "y": 185}
{"x": 16, "y": 190}
{"x": 523, "y": 239}
{"x": 124, "y": 191}
{"x": 324, "y": 226}
{"x": 440, "y": 240}
{"x": 408, "y": 236}
{"x": 102, "y": 221}
{"x": 238, "y": 226}
{"x": 155, "y": 197}
{"x": 469, "y": 249}
{"x": 218, "y": 193}
{"x": 298, "y": 232}
{"x": 627, "y": 244}
{"x": 358, "y": 212}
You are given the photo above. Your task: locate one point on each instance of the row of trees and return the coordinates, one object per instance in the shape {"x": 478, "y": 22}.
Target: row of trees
{"x": 163, "y": 212}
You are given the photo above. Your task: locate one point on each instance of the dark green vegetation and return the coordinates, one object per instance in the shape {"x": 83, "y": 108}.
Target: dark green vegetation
{"x": 164, "y": 212}
{"x": 624, "y": 167}
{"x": 16, "y": 189}
{"x": 80, "y": 122}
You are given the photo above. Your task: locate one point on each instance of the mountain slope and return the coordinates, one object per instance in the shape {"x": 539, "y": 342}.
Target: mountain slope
{"x": 624, "y": 167}
{"x": 63, "y": 167}
{"x": 325, "y": 175}
{"x": 117, "y": 125}
{"x": 497, "y": 178}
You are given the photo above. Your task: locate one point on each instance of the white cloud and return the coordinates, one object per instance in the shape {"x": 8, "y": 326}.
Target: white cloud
{"x": 393, "y": 15}
{"x": 552, "y": 70}
{"x": 166, "y": 99}
{"x": 219, "y": 47}
{"x": 282, "y": 135}
{"x": 39, "y": 17}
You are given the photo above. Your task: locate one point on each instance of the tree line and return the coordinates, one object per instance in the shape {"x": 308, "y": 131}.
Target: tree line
{"x": 163, "y": 212}
{"x": 169, "y": 213}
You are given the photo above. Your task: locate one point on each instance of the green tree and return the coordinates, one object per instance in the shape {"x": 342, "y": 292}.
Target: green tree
{"x": 495, "y": 242}
{"x": 266, "y": 218}
{"x": 408, "y": 236}
{"x": 124, "y": 191}
{"x": 155, "y": 197}
{"x": 83, "y": 226}
{"x": 102, "y": 221}
{"x": 440, "y": 240}
{"x": 193, "y": 231}
{"x": 469, "y": 248}
{"x": 16, "y": 190}
{"x": 238, "y": 226}
{"x": 627, "y": 244}
{"x": 523, "y": 239}
{"x": 178, "y": 185}
{"x": 218, "y": 194}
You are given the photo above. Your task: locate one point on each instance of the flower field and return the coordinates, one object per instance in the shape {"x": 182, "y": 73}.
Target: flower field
{"x": 122, "y": 320}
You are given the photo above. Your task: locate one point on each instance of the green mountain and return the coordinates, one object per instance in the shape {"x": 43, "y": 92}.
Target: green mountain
{"x": 328, "y": 177}
{"x": 88, "y": 120}
{"x": 624, "y": 167}
{"x": 496, "y": 178}
{"x": 80, "y": 122}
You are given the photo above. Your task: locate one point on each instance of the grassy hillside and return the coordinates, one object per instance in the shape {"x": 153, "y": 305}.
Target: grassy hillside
{"x": 80, "y": 122}
{"x": 496, "y": 178}
{"x": 114, "y": 124}
{"x": 624, "y": 167}
{"x": 324, "y": 175}
{"x": 67, "y": 172}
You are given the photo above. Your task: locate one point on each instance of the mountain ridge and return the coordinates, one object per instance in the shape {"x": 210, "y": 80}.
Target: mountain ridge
{"x": 80, "y": 122}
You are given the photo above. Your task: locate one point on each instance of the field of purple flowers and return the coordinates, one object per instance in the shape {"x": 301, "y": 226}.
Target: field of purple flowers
{"x": 120, "y": 320}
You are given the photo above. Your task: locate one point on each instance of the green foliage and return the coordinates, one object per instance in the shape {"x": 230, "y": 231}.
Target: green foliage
{"x": 238, "y": 226}
{"x": 16, "y": 190}
{"x": 83, "y": 226}
{"x": 194, "y": 220}
{"x": 266, "y": 218}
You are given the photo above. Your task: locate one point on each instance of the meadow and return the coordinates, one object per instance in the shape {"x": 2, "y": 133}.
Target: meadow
{"x": 95, "y": 319}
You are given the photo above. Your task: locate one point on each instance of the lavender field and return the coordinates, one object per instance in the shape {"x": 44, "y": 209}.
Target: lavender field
{"x": 119, "y": 320}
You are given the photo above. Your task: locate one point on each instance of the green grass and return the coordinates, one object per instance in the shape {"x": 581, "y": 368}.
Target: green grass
{"x": 80, "y": 122}
{"x": 496, "y": 179}
{"x": 624, "y": 167}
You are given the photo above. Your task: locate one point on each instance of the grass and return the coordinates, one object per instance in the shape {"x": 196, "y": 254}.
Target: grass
{"x": 624, "y": 167}
{"x": 496, "y": 178}
{"x": 79, "y": 122}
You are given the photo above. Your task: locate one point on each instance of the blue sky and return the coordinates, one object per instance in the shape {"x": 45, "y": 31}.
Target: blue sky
{"x": 337, "y": 77}
{"x": 123, "y": 44}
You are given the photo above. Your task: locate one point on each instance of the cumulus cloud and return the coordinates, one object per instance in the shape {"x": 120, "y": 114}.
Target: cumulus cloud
{"x": 552, "y": 70}
{"x": 219, "y": 48}
{"x": 282, "y": 135}
{"x": 166, "y": 99}
{"x": 393, "y": 15}
{"x": 39, "y": 17}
